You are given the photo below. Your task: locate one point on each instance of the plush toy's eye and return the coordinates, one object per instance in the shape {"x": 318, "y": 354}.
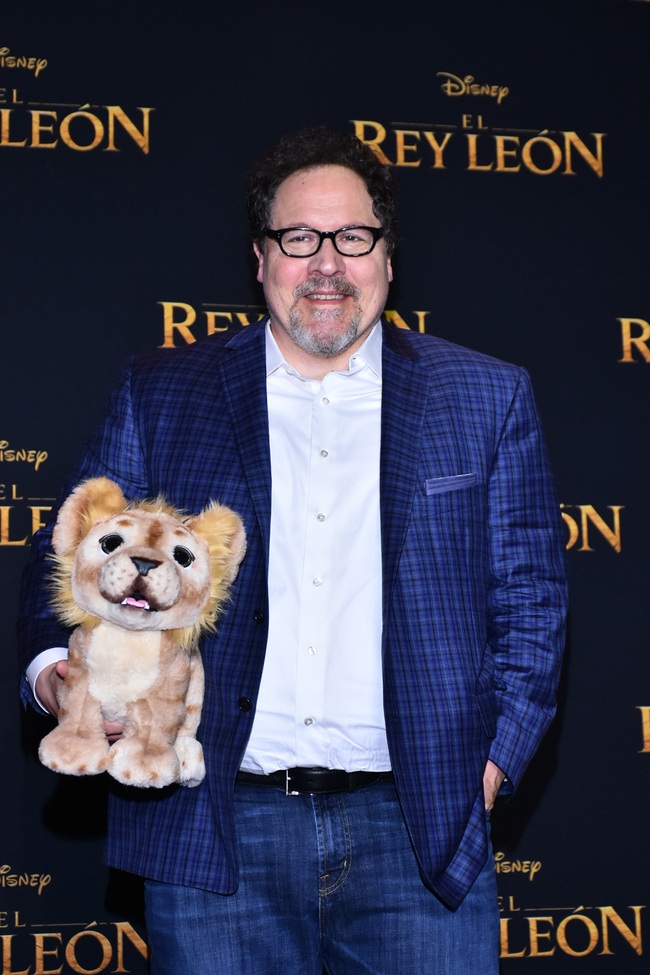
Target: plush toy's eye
{"x": 109, "y": 543}
{"x": 183, "y": 556}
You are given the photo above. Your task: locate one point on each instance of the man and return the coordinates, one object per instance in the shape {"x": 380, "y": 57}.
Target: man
{"x": 395, "y": 631}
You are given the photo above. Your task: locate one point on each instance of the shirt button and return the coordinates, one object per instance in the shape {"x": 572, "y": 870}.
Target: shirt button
{"x": 325, "y": 401}
{"x": 316, "y": 582}
{"x": 244, "y": 704}
{"x": 311, "y": 651}
{"x": 324, "y": 453}
{"x": 320, "y": 516}
{"x": 258, "y": 616}
{"x": 309, "y": 721}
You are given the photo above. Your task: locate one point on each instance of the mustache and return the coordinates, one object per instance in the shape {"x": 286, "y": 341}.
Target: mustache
{"x": 319, "y": 283}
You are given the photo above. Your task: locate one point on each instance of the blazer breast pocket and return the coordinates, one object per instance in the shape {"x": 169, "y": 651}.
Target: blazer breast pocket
{"x": 437, "y": 485}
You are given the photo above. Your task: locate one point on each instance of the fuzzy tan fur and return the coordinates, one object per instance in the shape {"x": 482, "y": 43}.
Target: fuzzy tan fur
{"x": 140, "y": 582}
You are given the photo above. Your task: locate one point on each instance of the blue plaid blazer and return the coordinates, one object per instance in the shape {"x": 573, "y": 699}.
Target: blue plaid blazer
{"x": 473, "y": 576}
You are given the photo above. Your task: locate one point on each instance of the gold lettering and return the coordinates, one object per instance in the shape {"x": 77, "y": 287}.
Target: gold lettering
{"x": 502, "y": 152}
{"x": 562, "y": 937}
{"x": 556, "y": 153}
{"x": 633, "y": 938}
{"x": 7, "y": 968}
{"x": 637, "y": 340}
{"x": 571, "y": 139}
{"x": 211, "y": 315}
{"x": 5, "y": 138}
{"x": 589, "y": 514}
{"x": 141, "y": 138}
{"x": 536, "y": 934}
{"x": 473, "y": 155}
{"x": 5, "y": 528}
{"x": 183, "y": 326}
{"x": 36, "y": 510}
{"x": 41, "y": 951}
{"x": 505, "y": 942}
{"x": 396, "y": 319}
{"x": 437, "y": 148}
{"x": 403, "y": 147}
{"x": 243, "y": 319}
{"x": 613, "y": 535}
{"x": 574, "y": 530}
{"x": 37, "y": 129}
{"x": 94, "y": 121}
{"x": 645, "y": 727}
{"x": 124, "y": 928}
{"x": 374, "y": 143}
{"x": 71, "y": 958}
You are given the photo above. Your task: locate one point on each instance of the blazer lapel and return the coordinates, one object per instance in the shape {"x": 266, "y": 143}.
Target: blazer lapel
{"x": 243, "y": 374}
{"x": 404, "y": 397}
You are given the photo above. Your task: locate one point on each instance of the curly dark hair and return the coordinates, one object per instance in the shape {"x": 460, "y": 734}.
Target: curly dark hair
{"x": 320, "y": 146}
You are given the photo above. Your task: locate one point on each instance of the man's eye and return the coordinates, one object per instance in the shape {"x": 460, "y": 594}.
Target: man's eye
{"x": 183, "y": 556}
{"x": 109, "y": 543}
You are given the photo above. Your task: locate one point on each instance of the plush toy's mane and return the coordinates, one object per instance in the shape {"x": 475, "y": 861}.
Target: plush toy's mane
{"x": 71, "y": 615}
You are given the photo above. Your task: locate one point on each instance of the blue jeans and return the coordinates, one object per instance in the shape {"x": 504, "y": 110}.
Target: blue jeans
{"x": 326, "y": 882}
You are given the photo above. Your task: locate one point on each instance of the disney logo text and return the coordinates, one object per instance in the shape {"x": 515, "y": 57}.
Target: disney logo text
{"x": 466, "y": 86}
{"x": 8, "y": 60}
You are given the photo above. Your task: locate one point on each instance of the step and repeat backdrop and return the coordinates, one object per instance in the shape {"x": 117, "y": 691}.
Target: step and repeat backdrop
{"x": 521, "y": 140}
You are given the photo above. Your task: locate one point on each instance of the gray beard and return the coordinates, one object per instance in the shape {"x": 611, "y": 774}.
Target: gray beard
{"x": 326, "y": 346}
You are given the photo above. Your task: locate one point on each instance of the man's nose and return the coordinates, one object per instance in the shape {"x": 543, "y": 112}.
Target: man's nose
{"x": 327, "y": 259}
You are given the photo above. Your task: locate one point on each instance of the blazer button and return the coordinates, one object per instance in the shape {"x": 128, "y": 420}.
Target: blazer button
{"x": 244, "y": 704}
{"x": 258, "y": 616}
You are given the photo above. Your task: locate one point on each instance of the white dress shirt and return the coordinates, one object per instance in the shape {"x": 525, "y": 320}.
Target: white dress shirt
{"x": 320, "y": 701}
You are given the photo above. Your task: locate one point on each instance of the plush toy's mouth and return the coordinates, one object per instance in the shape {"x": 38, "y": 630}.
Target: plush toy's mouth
{"x": 137, "y": 602}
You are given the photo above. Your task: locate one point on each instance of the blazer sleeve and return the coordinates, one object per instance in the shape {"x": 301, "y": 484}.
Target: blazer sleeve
{"x": 114, "y": 451}
{"x": 527, "y": 598}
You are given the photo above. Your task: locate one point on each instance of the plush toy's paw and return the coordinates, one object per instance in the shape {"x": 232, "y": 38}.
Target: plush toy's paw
{"x": 72, "y": 754}
{"x": 130, "y": 764}
{"x": 190, "y": 756}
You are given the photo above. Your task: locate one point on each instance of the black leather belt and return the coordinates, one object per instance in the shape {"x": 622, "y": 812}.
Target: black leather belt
{"x": 314, "y": 781}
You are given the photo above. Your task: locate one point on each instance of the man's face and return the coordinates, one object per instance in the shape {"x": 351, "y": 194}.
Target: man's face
{"x": 325, "y": 304}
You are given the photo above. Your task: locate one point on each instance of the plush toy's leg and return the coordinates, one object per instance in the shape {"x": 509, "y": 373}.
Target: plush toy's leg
{"x": 143, "y": 756}
{"x": 78, "y": 745}
{"x": 188, "y": 749}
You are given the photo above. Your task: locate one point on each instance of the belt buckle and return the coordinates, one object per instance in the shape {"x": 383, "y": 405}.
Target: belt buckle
{"x": 287, "y": 791}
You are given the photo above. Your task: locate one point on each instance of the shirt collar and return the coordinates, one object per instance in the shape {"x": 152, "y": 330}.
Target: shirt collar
{"x": 368, "y": 354}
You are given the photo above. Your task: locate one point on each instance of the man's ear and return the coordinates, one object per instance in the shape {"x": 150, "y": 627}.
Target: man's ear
{"x": 259, "y": 254}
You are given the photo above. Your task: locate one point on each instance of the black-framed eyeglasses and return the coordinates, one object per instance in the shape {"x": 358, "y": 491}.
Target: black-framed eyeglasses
{"x": 305, "y": 241}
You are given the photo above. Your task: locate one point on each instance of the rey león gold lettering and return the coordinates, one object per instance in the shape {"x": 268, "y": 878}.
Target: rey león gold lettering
{"x": 635, "y": 339}
{"x": 542, "y": 154}
{"x": 180, "y": 319}
{"x": 588, "y": 516}
{"x": 81, "y": 130}
{"x": 87, "y": 952}
{"x": 577, "y": 934}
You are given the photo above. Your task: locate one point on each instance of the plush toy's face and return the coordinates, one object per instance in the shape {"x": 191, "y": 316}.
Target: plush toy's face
{"x": 142, "y": 571}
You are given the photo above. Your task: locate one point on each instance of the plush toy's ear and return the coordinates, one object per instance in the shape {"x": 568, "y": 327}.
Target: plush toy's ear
{"x": 224, "y": 532}
{"x": 90, "y": 500}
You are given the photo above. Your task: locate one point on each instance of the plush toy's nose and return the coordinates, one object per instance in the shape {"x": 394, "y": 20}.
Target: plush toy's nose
{"x": 143, "y": 565}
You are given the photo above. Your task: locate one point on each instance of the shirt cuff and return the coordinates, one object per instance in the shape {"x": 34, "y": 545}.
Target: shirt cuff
{"x": 39, "y": 663}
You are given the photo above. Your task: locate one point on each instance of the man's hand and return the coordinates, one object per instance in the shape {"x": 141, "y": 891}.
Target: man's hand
{"x": 492, "y": 779}
{"x": 48, "y": 683}
{"x": 47, "y": 687}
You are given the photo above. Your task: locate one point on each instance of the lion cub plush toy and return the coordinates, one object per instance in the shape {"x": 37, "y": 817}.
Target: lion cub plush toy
{"x": 140, "y": 582}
